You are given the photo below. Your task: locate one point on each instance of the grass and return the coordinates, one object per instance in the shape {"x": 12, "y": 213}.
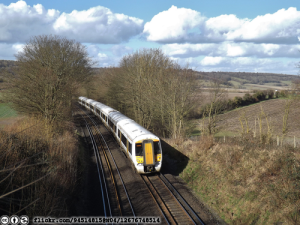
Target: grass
{"x": 6, "y": 111}
{"x": 31, "y": 153}
{"x": 235, "y": 83}
{"x": 274, "y": 110}
{"x": 244, "y": 181}
{"x": 226, "y": 134}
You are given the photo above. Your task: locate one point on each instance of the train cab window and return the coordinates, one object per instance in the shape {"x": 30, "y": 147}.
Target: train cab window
{"x": 138, "y": 149}
{"x": 115, "y": 128}
{"x": 119, "y": 133}
{"x": 157, "y": 149}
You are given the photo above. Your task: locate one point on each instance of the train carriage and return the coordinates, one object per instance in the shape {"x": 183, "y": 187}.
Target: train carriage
{"x": 142, "y": 147}
{"x": 82, "y": 100}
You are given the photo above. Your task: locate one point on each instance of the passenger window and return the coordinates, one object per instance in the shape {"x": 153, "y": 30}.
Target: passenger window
{"x": 124, "y": 139}
{"x": 130, "y": 147}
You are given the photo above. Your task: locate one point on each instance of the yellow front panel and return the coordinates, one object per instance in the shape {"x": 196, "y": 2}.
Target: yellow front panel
{"x": 148, "y": 153}
{"x": 158, "y": 157}
{"x": 139, "y": 159}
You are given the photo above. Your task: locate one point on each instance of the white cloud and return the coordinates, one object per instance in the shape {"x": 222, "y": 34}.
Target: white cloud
{"x": 98, "y": 25}
{"x": 173, "y": 25}
{"x": 186, "y": 25}
{"x": 232, "y": 49}
{"x": 277, "y": 27}
{"x": 211, "y": 61}
{"x": 7, "y": 51}
{"x": 249, "y": 64}
{"x": 19, "y": 21}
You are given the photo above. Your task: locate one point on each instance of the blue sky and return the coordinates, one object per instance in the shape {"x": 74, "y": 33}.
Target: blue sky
{"x": 215, "y": 35}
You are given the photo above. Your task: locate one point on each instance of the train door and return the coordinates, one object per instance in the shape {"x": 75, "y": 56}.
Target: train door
{"x": 148, "y": 151}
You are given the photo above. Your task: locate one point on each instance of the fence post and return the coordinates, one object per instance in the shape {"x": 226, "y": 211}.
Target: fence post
{"x": 294, "y": 142}
{"x": 277, "y": 140}
{"x": 255, "y": 129}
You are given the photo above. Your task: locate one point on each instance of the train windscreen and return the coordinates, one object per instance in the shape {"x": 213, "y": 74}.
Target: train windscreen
{"x": 138, "y": 149}
{"x": 157, "y": 149}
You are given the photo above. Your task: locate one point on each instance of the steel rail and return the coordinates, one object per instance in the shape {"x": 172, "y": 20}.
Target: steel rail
{"x": 114, "y": 163}
{"x": 97, "y": 169}
{"x": 110, "y": 168}
{"x": 156, "y": 201}
{"x": 194, "y": 213}
{"x": 103, "y": 176}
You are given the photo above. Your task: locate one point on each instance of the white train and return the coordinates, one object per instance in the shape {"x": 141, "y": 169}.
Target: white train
{"x": 141, "y": 146}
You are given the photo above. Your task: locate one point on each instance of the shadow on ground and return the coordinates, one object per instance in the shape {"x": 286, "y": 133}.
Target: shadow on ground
{"x": 174, "y": 161}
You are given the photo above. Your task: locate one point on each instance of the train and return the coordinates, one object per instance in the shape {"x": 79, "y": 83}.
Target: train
{"x": 142, "y": 147}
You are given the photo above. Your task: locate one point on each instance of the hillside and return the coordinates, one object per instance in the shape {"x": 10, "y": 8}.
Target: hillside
{"x": 274, "y": 111}
{"x": 247, "y": 80}
{"x": 6, "y": 67}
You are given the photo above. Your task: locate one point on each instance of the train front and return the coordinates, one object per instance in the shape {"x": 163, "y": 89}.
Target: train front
{"x": 148, "y": 155}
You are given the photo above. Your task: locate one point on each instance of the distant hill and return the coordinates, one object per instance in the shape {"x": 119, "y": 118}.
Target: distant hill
{"x": 6, "y": 67}
{"x": 7, "y": 63}
{"x": 242, "y": 79}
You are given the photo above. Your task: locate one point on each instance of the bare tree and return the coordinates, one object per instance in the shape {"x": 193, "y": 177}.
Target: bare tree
{"x": 49, "y": 69}
{"x": 216, "y": 94}
{"x": 153, "y": 90}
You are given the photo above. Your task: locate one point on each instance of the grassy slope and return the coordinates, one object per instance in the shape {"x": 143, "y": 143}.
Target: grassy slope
{"x": 273, "y": 115}
{"x": 244, "y": 181}
{"x": 247, "y": 182}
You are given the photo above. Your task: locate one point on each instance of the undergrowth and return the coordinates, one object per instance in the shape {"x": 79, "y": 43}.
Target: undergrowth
{"x": 245, "y": 181}
{"x": 38, "y": 173}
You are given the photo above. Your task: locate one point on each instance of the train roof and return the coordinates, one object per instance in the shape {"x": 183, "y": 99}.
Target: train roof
{"x": 90, "y": 101}
{"x": 95, "y": 103}
{"x": 134, "y": 130}
{"x": 116, "y": 117}
{"x": 82, "y": 98}
{"x": 104, "y": 108}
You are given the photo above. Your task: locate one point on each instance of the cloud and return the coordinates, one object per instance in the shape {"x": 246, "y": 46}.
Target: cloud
{"x": 19, "y": 21}
{"x": 188, "y": 26}
{"x": 173, "y": 25}
{"x": 232, "y": 49}
{"x": 7, "y": 51}
{"x": 98, "y": 25}
{"x": 249, "y": 64}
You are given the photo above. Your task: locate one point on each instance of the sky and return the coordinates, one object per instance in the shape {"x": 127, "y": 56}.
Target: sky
{"x": 216, "y": 35}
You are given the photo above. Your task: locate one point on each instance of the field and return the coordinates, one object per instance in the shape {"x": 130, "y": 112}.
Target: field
{"x": 7, "y": 115}
{"x": 245, "y": 180}
{"x": 274, "y": 112}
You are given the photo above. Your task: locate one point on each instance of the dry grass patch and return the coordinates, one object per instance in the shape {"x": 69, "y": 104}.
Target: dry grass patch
{"x": 39, "y": 169}
{"x": 244, "y": 181}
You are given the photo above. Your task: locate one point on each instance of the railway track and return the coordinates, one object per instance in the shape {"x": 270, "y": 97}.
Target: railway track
{"x": 173, "y": 207}
{"x": 116, "y": 201}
